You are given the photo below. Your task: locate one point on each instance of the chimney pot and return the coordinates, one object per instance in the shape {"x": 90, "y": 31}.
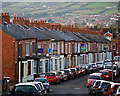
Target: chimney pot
{"x": 27, "y": 18}
{"x": 4, "y": 14}
{"x": 7, "y": 14}
{"x": 1, "y": 14}
{"x": 22, "y": 18}
{"x": 14, "y": 18}
{"x": 19, "y": 18}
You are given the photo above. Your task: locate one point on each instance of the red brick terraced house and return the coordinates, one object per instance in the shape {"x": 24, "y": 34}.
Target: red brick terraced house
{"x": 30, "y": 48}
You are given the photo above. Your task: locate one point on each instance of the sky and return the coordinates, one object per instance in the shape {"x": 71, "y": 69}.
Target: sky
{"x": 60, "y": 0}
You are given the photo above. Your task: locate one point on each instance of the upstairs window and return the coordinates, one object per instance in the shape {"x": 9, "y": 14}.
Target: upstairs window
{"x": 33, "y": 48}
{"x": 27, "y": 49}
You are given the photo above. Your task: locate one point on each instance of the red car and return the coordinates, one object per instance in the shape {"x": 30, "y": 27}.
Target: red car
{"x": 52, "y": 77}
{"x": 111, "y": 89}
{"x": 107, "y": 74}
{"x": 94, "y": 76}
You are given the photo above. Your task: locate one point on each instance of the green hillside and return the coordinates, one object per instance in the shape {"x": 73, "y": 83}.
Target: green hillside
{"x": 31, "y": 9}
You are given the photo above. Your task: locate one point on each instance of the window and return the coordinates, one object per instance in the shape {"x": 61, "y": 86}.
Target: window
{"x": 58, "y": 48}
{"x": 60, "y": 63}
{"x": 69, "y": 48}
{"x": 51, "y": 64}
{"x": 108, "y": 37}
{"x": 35, "y": 67}
{"x": 78, "y": 47}
{"x": 44, "y": 49}
{"x": 27, "y": 49}
{"x": 55, "y": 64}
{"x": 40, "y": 69}
{"x": 39, "y": 46}
{"x": 33, "y": 48}
{"x": 66, "y": 48}
{"x": 62, "y": 47}
{"x": 75, "y": 47}
{"x": 86, "y": 48}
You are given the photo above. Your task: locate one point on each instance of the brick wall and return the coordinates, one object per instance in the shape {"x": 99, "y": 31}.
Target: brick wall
{"x": 8, "y": 60}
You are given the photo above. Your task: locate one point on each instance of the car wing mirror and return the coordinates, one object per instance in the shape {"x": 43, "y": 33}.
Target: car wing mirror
{"x": 86, "y": 77}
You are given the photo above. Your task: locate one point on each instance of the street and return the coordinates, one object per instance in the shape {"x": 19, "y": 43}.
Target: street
{"x": 75, "y": 87}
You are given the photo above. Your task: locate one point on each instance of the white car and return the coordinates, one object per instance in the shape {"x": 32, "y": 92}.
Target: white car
{"x": 25, "y": 88}
{"x": 100, "y": 65}
{"x": 118, "y": 91}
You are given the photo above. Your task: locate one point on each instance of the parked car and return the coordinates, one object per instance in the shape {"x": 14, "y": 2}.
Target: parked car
{"x": 100, "y": 90}
{"x": 110, "y": 73}
{"x": 63, "y": 75}
{"x": 40, "y": 87}
{"x": 75, "y": 72}
{"x": 68, "y": 72}
{"x": 25, "y": 89}
{"x": 100, "y": 65}
{"x": 94, "y": 66}
{"x": 93, "y": 86}
{"x": 79, "y": 70}
{"x": 45, "y": 83}
{"x": 94, "y": 76}
{"x": 110, "y": 91}
{"x": 52, "y": 77}
{"x": 106, "y": 74}
{"x": 88, "y": 68}
{"x": 116, "y": 58}
{"x": 118, "y": 92}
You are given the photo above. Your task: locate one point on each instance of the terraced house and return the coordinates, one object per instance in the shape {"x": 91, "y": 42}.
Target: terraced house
{"x": 30, "y": 48}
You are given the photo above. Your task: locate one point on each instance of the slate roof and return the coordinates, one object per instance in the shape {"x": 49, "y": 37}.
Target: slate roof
{"x": 18, "y": 32}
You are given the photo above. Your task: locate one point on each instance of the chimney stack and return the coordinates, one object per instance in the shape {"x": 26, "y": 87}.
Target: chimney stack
{"x": 4, "y": 18}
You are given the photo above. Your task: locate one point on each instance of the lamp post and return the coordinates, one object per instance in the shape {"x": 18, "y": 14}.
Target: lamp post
{"x": 112, "y": 53}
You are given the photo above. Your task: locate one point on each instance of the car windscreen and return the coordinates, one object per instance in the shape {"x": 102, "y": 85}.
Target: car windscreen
{"x": 116, "y": 87}
{"x": 50, "y": 74}
{"x": 97, "y": 84}
{"x": 77, "y": 69}
{"x": 104, "y": 84}
{"x": 95, "y": 77}
{"x": 42, "y": 80}
{"x": 104, "y": 73}
{"x": 99, "y": 63}
{"x": 66, "y": 71}
{"x": 25, "y": 89}
{"x": 72, "y": 70}
{"x": 108, "y": 67}
{"x": 114, "y": 68}
{"x": 38, "y": 87}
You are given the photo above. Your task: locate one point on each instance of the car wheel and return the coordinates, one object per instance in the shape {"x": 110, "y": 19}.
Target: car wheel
{"x": 89, "y": 91}
{"x": 48, "y": 90}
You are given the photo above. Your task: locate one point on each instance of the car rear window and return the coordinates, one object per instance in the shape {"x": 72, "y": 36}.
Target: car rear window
{"x": 116, "y": 87}
{"x": 25, "y": 89}
{"x": 104, "y": 84}
{"x": 77, "y": 69}
{"x": 72, "y": 70}
{"x": 66, "y": 71}
{"x": 95, "y": 77}
{"x": 50, "y": 74}
{"x": 42, "y": 80}
{"x": 104, "y": 73}
{"x": 108, "y": 67}
{"x": 97, "y": 84}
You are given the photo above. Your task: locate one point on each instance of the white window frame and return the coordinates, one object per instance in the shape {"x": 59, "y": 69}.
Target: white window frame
{"x": 62, "y": 47}
{"x": 66, "y": 48}
{"x": 58, "y": 48}
{"x": 78, "y": 47}
{"x": 75, "y": 47}
{"x": 69, "y": 47}
{"x": 27, "y": 49}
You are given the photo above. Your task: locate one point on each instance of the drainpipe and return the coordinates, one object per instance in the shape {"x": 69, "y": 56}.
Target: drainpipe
{"x": 21, "y": 62}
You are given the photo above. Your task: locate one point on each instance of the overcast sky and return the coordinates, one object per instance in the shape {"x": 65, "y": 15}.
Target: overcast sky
{"x": 60, "y": 0}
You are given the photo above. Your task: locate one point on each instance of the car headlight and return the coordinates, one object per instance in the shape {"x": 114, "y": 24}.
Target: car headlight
{"x": 107, "y": 76}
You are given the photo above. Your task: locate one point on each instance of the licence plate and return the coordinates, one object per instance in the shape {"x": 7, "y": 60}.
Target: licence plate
{"x": 49, "y": 79}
